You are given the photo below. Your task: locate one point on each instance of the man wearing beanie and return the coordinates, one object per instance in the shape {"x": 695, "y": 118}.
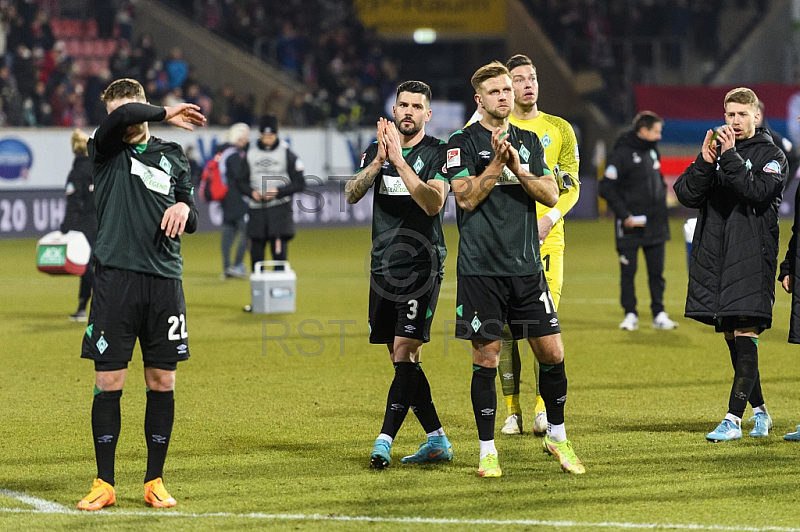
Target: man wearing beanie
{"x": 275, "y": 174}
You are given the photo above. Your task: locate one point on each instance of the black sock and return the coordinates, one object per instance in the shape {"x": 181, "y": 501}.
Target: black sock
{"x": 756, "y": 396}
{"x": 422, "y": 404}
{"x": 158, "y": 419}
{"x": 105, "y": 431}
{"x": 745, "y": 374}
{"x": 484, "y": 400}
{"x": 553, "y": 385}
{"x": 401, "y": 393}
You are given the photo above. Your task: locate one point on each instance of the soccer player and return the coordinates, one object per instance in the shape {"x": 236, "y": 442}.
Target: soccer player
{"x": 143, "y": 194}
{"x": 560, "y": 149}
{"x": 737, "y": 183}
{"x": 498, "y": 173}
{"x": 408, "y": 253}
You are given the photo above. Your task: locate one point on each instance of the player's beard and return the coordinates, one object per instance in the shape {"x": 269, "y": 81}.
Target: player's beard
{"x": 409, "y": 130}
{"x": 499, "y": 115}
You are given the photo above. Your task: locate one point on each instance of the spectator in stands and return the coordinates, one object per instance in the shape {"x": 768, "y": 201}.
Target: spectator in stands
{"x": 222, "y": 106}
{"x": 104, "y": 15}
{"x": 10, "y": 100}
{"x": 177, "y": 69}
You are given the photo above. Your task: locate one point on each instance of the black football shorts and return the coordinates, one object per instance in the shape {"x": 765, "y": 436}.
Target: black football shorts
{"x": 127, "y": 305}
{"x": 402, "y": 307}
{"x": 484, "y": 304}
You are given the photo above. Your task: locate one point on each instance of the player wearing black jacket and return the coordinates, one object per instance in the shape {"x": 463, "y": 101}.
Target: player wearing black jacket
{"x": 143, "y": 196}
{"x": 737, "y": 183}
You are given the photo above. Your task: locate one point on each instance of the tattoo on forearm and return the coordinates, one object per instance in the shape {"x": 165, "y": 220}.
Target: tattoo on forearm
{"x": 360, "y": 184}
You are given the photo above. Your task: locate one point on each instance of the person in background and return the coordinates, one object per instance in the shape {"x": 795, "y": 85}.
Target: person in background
{"x": 275, "y": 173}
{"x": 635, "y": 191}
{"x": 737, "y": 184}
{"x": 233, "y": 164}
{"x": 81, "y": 214}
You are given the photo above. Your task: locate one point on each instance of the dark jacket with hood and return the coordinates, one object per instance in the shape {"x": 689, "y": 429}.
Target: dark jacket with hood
{"x": 735, "y": 245}
{"x": 236, "y": 173}
{"x": 633, "y": 185}
{"x": 81, "y": 214}
{"x": 791, "y": 266}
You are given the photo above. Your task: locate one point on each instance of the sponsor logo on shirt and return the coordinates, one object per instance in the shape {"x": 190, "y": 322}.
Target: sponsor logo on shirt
{"x": 154, "y": 179}
{"x": 636, "y": 158}
{"x": 484, "y": 154}
{"x": 392, "y": 185}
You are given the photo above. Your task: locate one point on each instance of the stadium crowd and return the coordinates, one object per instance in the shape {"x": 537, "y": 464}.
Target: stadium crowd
{"x": 320, "y": 43}
{"x": 624, "y": 39}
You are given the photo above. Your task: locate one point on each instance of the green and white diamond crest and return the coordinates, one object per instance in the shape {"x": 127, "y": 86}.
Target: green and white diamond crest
{"x": 476, "y": 324}
{"x": 524, "y": 153}
{"x": 165, "y": 164}
{"x": 102, "y": 345}
{"x": 748, "y": 164}
{"x": 418, "y": 164}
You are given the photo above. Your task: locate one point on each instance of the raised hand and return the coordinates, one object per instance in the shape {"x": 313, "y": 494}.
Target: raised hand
{"x": 500, "y": 145}
{"x": 185, "y": 116}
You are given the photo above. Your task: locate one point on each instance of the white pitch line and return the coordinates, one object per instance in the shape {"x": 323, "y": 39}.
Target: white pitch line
{"x": 40, "y": 505}
{"x": 53, "y": 508}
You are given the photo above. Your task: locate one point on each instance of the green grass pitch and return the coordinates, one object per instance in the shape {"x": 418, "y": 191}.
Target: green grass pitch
{"x": 277, "y": 435}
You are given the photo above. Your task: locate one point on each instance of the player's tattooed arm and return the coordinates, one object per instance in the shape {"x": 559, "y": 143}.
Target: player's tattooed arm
{"x": 357, "y": 187}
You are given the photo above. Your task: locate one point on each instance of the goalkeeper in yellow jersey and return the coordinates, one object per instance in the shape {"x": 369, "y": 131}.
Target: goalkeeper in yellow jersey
{"x": 560, "y": 149}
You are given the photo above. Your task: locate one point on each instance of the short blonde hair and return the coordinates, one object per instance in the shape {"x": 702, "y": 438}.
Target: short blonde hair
{"x": 742, "y": 95}
{"x": 492, "y": 70}
{"x": 123, "y": 88}
{"x": 78, "y": 141}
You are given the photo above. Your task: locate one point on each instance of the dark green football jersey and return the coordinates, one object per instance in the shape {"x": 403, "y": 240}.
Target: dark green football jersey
{"x": 500, "y": 237}
{"x": 132, "y": 189}
{"x": 404, "y": 238}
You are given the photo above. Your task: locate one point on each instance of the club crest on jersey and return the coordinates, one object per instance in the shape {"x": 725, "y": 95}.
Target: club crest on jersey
{"x": 546, "y": 140}
{"x": 524, "y": 153}
{"x": 611, "y": 172}
{"x": 772, "y": 167}
{"x": 748, "y": 164}
{"x": 165, "y": 164}
{"x": 418, "y": 164}
{"x": 453, "y": 157}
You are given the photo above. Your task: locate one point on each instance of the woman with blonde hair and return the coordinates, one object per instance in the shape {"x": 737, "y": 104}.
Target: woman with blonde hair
{"x": 81, "y": 215}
